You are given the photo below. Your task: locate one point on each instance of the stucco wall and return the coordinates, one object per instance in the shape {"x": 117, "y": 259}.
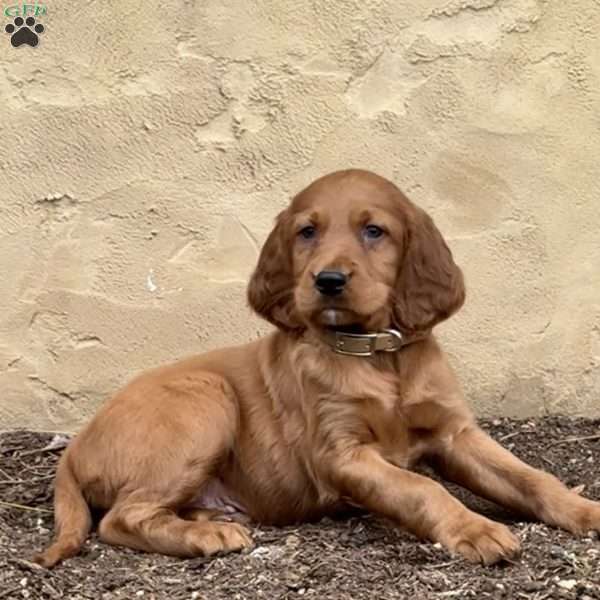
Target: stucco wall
{"x": 145, "y": 148}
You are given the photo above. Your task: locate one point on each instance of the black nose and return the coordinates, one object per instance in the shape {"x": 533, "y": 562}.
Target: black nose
{"x": 330, "y": 283}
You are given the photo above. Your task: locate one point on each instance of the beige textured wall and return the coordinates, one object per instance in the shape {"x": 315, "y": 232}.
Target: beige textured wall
{"x": 145, "y": 148}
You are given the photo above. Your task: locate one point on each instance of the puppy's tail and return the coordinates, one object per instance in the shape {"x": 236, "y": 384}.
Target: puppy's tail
{"x": 72, "y": 519}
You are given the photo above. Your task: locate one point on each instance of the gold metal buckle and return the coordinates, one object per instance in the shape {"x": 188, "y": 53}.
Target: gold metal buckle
{"x": 395, "y": 334}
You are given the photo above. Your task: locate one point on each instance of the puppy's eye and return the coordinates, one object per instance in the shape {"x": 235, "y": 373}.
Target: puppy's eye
{"x": 372, "y": 232}
{"x": 308, "y": 232}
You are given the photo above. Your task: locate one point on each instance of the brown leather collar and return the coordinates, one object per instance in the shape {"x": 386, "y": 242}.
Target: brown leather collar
{"x": 366, "y": 344}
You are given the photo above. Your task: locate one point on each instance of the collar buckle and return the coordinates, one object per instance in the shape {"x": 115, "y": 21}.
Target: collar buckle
{"x": 393, "y": 341}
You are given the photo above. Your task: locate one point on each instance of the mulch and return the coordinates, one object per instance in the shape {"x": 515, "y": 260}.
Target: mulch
{"x": 355, "y": 558}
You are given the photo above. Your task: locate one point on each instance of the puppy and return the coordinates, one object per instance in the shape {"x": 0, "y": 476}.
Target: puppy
{"x": 333, "y": 408}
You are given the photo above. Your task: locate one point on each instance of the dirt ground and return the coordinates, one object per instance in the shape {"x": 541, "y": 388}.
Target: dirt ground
{"x": 356, "y": 558}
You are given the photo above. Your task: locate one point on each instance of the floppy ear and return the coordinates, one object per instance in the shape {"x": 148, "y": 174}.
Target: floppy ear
{"x": 430, "y": 286}
{"x": 271, "y": 288}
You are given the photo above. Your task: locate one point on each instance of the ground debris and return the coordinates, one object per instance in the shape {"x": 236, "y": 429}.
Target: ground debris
{"x": 356, "y": 558}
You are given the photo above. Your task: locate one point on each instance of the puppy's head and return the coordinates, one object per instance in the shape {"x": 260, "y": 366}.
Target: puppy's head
{"x": 352, "y": 252}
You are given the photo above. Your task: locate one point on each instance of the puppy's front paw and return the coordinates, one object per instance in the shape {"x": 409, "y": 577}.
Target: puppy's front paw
{"x": 480, "y": 540}
{"x": 583, "y": 515}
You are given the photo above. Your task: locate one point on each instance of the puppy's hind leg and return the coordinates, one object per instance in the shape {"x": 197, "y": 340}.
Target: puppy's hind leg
{"x": 148, "y": 526}
{"x": 196, "y": 433}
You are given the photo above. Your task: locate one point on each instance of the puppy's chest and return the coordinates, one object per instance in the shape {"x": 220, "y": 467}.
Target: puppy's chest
{"x": 365, "y": 405}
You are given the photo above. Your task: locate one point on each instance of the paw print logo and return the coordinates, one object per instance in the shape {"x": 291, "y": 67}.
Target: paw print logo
{"x": 24, "y": 32}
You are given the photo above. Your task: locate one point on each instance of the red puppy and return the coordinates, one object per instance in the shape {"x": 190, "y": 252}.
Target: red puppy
{"x": 335, "y": 406}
